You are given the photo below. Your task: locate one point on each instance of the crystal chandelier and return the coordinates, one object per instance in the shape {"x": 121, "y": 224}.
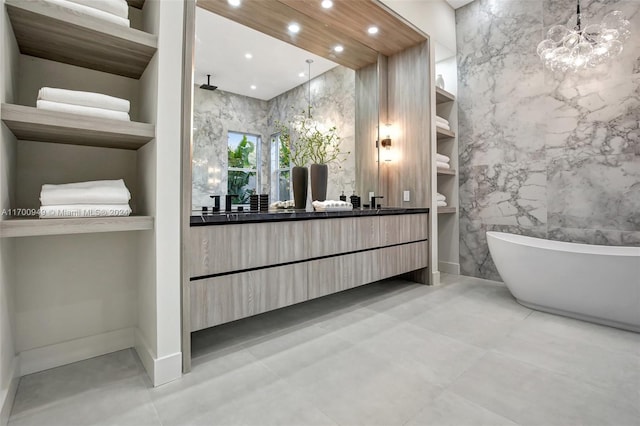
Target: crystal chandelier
{"x": 574, "y": 48}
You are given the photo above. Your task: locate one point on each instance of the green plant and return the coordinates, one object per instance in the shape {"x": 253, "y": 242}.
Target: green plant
{"x": 293, "y": 149}
{"x": 308, "y": 142}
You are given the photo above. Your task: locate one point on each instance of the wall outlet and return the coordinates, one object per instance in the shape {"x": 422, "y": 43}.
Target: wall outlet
{"x": 371, "y": 194}
{"x": 406, "y": 196}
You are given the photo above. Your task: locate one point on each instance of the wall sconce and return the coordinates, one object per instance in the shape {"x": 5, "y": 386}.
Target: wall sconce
{"x": 385, "y": 133}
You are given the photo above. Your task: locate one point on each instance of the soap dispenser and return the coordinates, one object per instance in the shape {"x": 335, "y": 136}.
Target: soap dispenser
{"x": 343, "y": 197}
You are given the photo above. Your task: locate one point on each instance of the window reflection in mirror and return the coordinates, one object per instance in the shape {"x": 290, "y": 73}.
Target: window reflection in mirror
{"x": 280, "y": 170}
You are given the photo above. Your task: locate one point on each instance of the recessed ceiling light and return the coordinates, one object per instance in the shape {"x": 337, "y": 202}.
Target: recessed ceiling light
{"x": 253, "y": 87}
{"x": 294, "y": 28}
{"x": 301, "y": 74}
{"x": 234, "y": 3}
{"x": 338, "y": 48}
{"x": 248, "y": 55}
{"x": 327, "y": 4}
{"x": 372, "y": 30}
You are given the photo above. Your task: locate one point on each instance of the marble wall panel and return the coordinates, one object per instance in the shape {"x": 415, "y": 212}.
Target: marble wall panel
{"x": 543, "y": 154}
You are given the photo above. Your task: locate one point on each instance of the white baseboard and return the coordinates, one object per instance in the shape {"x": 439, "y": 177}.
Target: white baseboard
{"x": 161, "y": 370}
{"x": 449, "y": 268}
{"x": 39, "y": 359}
{"x": 435, "y": 278}
{"x": 8, "y": 395}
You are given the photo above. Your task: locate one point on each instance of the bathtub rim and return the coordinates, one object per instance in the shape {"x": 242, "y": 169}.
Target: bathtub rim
{"x": 563, "y": 246}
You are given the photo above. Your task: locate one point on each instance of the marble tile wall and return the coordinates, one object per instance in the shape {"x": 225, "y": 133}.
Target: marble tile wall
{"x": 542, "y": 154}
{"x": 217, "y": 112}
{"x": 333, "y": 104}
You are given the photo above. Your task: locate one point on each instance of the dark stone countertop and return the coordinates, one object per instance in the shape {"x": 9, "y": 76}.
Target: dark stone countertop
{"x": 290, "y": 214}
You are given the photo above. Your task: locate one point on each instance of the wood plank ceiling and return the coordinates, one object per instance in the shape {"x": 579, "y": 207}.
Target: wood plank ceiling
{"x": 322, "y": 29}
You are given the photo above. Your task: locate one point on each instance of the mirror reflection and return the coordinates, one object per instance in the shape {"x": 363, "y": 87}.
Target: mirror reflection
{"x": 256, "y": 82}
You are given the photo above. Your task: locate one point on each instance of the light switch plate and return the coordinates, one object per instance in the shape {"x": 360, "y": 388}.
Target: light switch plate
{"x": 406, "y": 196}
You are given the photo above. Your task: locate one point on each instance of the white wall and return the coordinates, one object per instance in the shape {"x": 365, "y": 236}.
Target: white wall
{"x": 434, "y": 17}
{"x": 160, "y": 321}
{"x": 8, "y": 360}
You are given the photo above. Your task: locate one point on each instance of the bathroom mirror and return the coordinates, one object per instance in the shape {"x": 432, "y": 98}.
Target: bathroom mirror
{"x": 258, "y": 81}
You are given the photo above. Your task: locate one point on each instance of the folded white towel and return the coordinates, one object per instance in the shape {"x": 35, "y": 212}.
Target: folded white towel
{"x": 443, "y": 126}
{"x": 442, "y": 204}
{"x": 83, "y": 110}
{"x": 442, "y": 165}
{"x": 330, "y": 205}
{"x": 442, "y": 120}
{"x": 94, "y": 192}
{"x": 90, "y": 11}
{"x": 115, "y": 7}
{"x": 89, "y": 99}
{"x": 84, "y": 210}
{"x": 442, "y": 158}
{"x": 440, "y": 197}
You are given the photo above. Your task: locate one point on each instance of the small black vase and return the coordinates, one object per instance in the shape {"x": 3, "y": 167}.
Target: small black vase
{"x": 319, "y": 176}
{"x": 300, "y": 181}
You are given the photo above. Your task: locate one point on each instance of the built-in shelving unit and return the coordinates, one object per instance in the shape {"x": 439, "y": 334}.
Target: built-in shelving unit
{"x": 28, "y": 123}
{"x": 50, "y": 31}
{"x": 30, "y": 227}
{"x": 104, "y": 272}
{"x": 447, "y": 184}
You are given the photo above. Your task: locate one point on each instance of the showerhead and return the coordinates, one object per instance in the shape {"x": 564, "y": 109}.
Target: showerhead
{"x": 208, "y": 86}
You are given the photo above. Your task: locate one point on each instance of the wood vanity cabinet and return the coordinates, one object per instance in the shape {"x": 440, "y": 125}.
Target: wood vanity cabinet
{"x": 240, "y": 270}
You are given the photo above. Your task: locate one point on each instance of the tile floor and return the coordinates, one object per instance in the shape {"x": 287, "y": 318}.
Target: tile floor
{"x": 390, "y": 353}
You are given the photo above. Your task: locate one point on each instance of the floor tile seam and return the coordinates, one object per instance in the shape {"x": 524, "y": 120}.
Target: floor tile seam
{"x": 581, "y": 342}
{"x": 418, "y": 410}
{"x": 591, "y": 385}
{"x": 147, "y": 390}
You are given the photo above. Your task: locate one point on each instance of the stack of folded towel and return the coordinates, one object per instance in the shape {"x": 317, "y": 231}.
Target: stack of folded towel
{"x": 85, "y": 199}
{"x": 441, "y": 200}
{"x": 114, "y": 11}
{"x": 332, "y": 205}
{"x": 83, "y": 103}
{"x": 442, "y": 123}
{"x": 442, "y": 161}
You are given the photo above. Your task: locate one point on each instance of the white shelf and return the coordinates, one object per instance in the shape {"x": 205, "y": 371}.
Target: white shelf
{"x": 33, "y": 124}
{"x": 443, "y": 96}
{"x": 450, "y": 172}
{"x": 50, "y": 31}
{"x": 29, "y": 227}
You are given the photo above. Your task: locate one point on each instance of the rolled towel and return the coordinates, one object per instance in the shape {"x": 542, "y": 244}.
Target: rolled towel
{"x": 441, "y": 165}
{"x": 441, "y": 204}
{"x": 94, "y": 192}
{"x": 84, "y": 210}
{"x": 90, "y": 11}
{"x": 83, "y": 110}
{"x": 442, "y": 120}
{"x": 440, "y": 197}
{"x": 442, "y": 158}
{"x": 88, "y": 99}
{"x": 115, "y": 7}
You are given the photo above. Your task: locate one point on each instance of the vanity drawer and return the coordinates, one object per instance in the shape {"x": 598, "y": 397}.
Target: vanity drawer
{"x": 230, "y": 297}
{"x": 334, "y": 236}
{"x": 226, "y": 248}
{"x": 398, "y": 229}
{"x": 334, "y": 274}
{"x": 401, "y": 259}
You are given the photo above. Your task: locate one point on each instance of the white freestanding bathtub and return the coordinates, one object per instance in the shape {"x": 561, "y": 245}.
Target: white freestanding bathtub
{"x": 593, "y": 283}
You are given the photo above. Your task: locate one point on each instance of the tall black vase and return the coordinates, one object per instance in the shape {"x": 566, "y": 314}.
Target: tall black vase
{"x": 319, "y": 176}
{"x": 300, "y": 181}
